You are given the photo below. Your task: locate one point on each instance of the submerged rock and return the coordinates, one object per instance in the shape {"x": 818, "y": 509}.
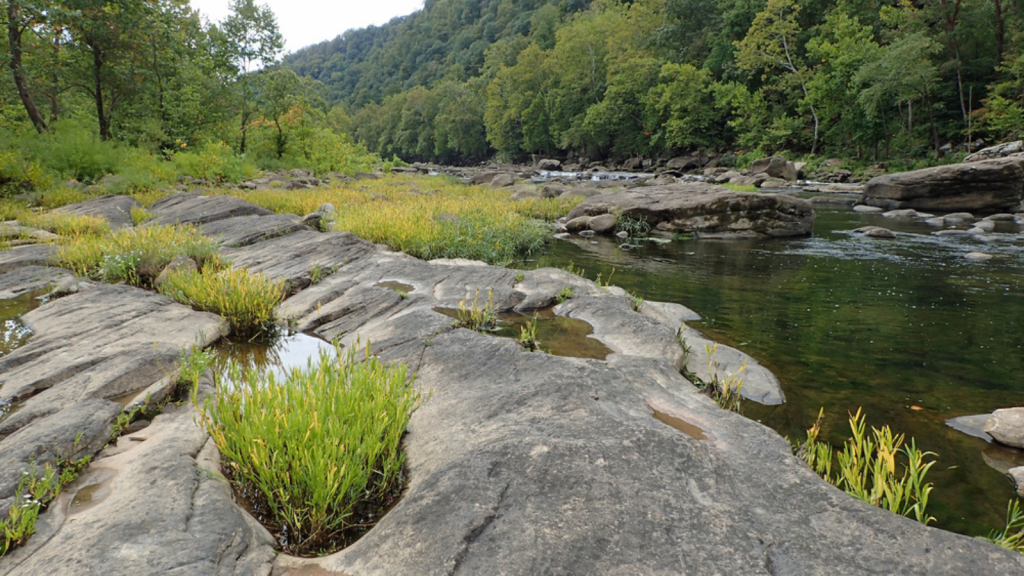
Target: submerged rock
{"x": 705, "y": 209}
{"x": 991, "y": 185}
{"x": 875, "y": 232}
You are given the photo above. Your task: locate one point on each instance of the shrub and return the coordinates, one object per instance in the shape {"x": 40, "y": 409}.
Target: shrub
{"x": 215, "y": 161}
{"x": 135, "y": 255}
{"x": 245, "y": 300}
{"x": 315, "y": 445}
{"x": 73, "y": 151}
{"x": 867, "y": 467}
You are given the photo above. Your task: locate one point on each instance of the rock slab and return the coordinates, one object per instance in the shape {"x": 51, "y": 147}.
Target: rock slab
{"x": 992, "y": 186}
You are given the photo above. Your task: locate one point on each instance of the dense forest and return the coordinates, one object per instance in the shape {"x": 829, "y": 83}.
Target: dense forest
{"x": 462, "y": 80}
{"x": 149, "y": 91}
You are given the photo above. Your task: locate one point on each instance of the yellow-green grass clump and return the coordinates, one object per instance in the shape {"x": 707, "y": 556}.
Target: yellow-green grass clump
{"x": 429, "y": 217}
{"x": 315, "y": 447}
{"x": 65, "y": 224}
{"x": 135, "y": 255}
{"x": 868, "y": 467}
{"x": 245, "y": 300}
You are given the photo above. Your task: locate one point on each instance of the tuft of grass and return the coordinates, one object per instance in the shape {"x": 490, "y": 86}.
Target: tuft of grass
{"x": 519, "y": 277}
{"x": 476, "y": 317}
{"x": 34, "y": 492}
{"x": 867, "y": 467}
{"x": 315, "y": 446}
{"x": 636, "y": 302}
{"x": 12, "y": 209}
{"x": 564, "y": 294}
{"x": 245, "y": 300}
{"x": 61, "y": 196}
{"x": 528, "y": 336}
{"x": 572, "y": 268}
{"x": 140, "y": 215}
{"x": 635, "y": 227}
{"x": 135, "y": 255}
{"x": 65, "y": 224}
{"x": 1011, "y": 536}
{"x": 724, "y": 390}
{"x": 317, "y": 272}
{"x": 741, "y": 187}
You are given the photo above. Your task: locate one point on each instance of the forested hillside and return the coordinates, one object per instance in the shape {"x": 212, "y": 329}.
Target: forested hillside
{"x": 871, "y": 79}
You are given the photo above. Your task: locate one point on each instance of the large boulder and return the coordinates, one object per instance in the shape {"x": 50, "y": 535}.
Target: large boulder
{"x": 549, "y": 164}
{"x": 989, "y": 186}
{"x": 1007, "y": 426}
{"x": 775, "y": 166}
{"x": 997, "y": 151}
{"x": 705, "y": 209}
{"x": 683, "y": 163}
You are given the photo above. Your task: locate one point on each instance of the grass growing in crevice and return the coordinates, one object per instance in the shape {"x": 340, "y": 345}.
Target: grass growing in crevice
{"x": 135, "y": 256}
{"x": 528, "y": 336}
{"x": 482, "y": 318}
{"x": 564, "y": 294}
{"x": 65, "y": 224}
{"x": 35, "y": 491}
{"x": 723, "y": 389}
{"x": 634, "y": 227}
{"x": 867, "y": 467}
{"x": 312, "y": 450}
{"x": 247, "y": 301}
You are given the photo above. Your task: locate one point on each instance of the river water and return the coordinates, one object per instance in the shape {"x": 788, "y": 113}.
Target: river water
{"x": 908, "y": 329}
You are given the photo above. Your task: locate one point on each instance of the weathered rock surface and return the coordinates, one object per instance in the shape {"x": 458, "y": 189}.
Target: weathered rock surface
{"x": 997, "y": 151}
{"x": 1007, "y": 426}
{"x": 115, "y": 209}
{"x": 292, "y": 257}
{"x": 993, "y": 185}
{"x": 706, "y": 209}
{"x": 89, "y": 349}
{"x": 31, "y": 255}
{"x": 775, "y": 166}
{"x": 759, "y": 384}
{"x": 29, "y": 279}
{"x": 191, "y": 208}
{"x": 156, "y": 506}
{"x": 246, "y": 230}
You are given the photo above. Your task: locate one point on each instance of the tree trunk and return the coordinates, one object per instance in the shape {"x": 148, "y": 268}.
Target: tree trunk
{"x": 931, "y": 120}
{"x": 101, "y": 112}
{"x": 14, "y": 37}
{"x": 1000, "y": 31}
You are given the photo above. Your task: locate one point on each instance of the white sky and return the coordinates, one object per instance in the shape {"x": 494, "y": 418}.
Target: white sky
{"x": 305, "y": 22}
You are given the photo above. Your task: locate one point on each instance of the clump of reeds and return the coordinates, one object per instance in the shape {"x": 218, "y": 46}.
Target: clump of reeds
{"x": 247, "y": 301}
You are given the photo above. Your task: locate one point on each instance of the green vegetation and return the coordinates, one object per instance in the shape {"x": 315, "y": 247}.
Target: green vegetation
{"x": 476, "y": 317}
{"x": 886, "y": 82}
{"x": 635, "y": 227}
{"x": 1011, "y": 536}
{"x": 724, "y": 390}
{"x": 65, "y": 224}
{"x": 564, "y": 294}
{"x": 136, "y": 255}
{"x": 314, "y": 448}
{"x": 192, "y": 363}
{"x": 245, "y": 300}
{"x": 34, "y": 492}
{"x": 528, "y": 336}
{"x": 867, "y": 468}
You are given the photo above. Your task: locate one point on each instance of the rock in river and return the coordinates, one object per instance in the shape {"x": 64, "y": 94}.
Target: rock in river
{"x": 991, "y": 185}
{"x": 1007, "y": 426}
{"x": 706, "y": 209}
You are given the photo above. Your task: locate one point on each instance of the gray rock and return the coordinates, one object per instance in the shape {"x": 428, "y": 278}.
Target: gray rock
{"x": 30, "y": 255}
{"x": 706, "y": 359}
{"x": 587, "y": 233}
{"x": 246, "y": 230}
{"x": 951, "y": 233}
{"x": 669, "y": 313}
{"x": 958, "y": 217}
{"x": 603, "y": 224}
{"x": 990, "y": 185}
{"x": 997, "y": 151}
{"x": 835, "y": 199}
{"x": 973, "y": 425}
{"x": 191, "y": 208}
{"x": 1004, "y": 217}
{"x": 553, "y": 190}
{"x": 1007, "y": 426}
{"x": 300, "y": 173}
{"x": 866, "y": 209}
{"x": 683, "y": 163}
{"x": 875, "y": 232}
{"x": 578, "y": 223}
{"x": 906, "y": 213}
{"x": 176, "y": 266}
{"x": 986, "y": 225}
{"x": 622, "y": 234}
{"x": 116, "y": 210}
{"x": 726, "y": 176}
{"x": 939, "y": 221}
{"x": 549, "y": 164}
{"x": 292, "y": 256}
{"x": 365, "y": 176}
{"x": 328, "y": 211}
{"x": 483, "y": 178}
{"x": 1017, "y": 474}
{"x": 754, "y": 180}
{"x": 775, "y": 166}
{"x": 706, "y": 209}
{"x": 502, "y": 180}
{"x": 29, "y": 279}
{"x": 313, "y": 220}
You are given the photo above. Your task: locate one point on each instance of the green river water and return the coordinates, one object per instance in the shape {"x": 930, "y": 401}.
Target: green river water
{"x": 908, "y": 329}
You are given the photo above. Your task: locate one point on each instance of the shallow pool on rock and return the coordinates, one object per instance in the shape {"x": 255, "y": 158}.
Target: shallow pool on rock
{"x": 908, "y": 329}
{"x": 13, "y": 332}
{"x": 279, "y": 356}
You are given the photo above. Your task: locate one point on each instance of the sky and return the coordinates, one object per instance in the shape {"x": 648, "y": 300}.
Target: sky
{"x": 305, "y": 22}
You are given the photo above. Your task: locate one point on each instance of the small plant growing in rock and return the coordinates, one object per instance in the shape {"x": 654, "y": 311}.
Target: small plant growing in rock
{"x": 475, "y": 317}
{"x": 245, "y": 300}
{"x": 636, "y": 302}
{"x": 564, "y": 294}
{"x": 317, "y": 273}
{"x": 634, "y": 227}
{"x": 528, "y": 335}
{"x": 725, "y": 391}
{"x": 519, "y": 277}
{"x": 34, "y": 492}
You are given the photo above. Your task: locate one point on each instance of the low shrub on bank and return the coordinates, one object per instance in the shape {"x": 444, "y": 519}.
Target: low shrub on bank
{"x": 135, "y": 255}
{"x": 868, "y": 467}
{"x": 429, "y": 217}
{"x": 313, "y": 448}
{"x": 245, "y": 300}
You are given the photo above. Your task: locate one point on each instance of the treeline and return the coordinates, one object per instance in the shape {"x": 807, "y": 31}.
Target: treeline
{"x": 91, "y": 86}
{"x": 872, "y": 79}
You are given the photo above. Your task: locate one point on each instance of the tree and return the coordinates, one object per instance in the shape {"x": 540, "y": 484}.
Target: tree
{"x": 253, "y": 40}
{"x": 17, "y": 23}
{"x": 771, "y": 43}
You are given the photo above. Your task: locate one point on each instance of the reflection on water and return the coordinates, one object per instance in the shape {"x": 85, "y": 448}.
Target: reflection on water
{"x": 280, "y": 356}
{"x": 847, "y": 322}
{"x": 557, "y": 335}
{"x": 13, "y": 332}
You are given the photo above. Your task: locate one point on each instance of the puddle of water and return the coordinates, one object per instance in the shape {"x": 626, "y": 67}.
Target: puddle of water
{"x": 96, "y": 489}
{"x": 400, "y": 287}
{"x": 13, "y": 332}
{"x": 280, "y": 357}
{"x": 557, "y": 335}
{"x": 680, "y": 424}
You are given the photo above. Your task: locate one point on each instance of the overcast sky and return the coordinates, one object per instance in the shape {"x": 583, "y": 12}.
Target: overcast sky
{"x": 305, "y": 22}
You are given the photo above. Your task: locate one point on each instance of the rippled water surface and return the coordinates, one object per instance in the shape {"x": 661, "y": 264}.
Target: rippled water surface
{"x": 908, "y": 329}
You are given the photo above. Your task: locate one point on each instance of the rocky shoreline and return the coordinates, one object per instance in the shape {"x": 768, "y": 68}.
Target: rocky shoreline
{"x": 519, "y": 462}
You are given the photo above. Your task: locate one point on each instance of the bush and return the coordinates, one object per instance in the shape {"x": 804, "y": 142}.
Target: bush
{"x": 71, "y": 150}
{"x": 315, "y": 445}
{"x": 246, "y": 301}
{"x": 135, "y": 255}
{"x": 215, "y": 161}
